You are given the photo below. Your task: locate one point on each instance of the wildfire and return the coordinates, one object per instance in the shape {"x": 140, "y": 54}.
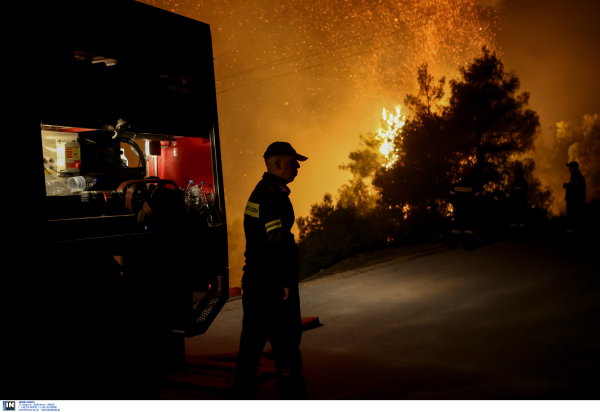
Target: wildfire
{"x": 449, "y": 209}
{"x": 405, "y": 211}
{"x": 467, "y": 163}
{"x": 389, "y": 147}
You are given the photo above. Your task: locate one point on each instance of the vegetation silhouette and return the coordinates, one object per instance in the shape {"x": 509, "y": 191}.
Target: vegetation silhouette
{"x": 486, "y": 126}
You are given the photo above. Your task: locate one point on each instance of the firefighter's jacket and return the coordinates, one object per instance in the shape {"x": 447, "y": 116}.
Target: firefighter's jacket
{"x": 271, "y": 252}
{"x": 519, "y": 191}
{"x": 576, "y": 189}
{"x": 464, "y": 195}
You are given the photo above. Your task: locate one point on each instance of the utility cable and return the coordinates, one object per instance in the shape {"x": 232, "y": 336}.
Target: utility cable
{"x": 306, "y": 68}
{"x": 328, "y": 48}
{"x": 301, "y": 56}
{"x": 355, "y": 54}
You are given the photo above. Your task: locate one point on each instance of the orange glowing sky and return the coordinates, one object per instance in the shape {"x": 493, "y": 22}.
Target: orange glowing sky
{"x": 364, "y": 55}
{"x": 355, "y": 57}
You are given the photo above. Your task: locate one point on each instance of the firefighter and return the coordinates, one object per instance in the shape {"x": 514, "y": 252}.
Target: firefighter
{"x": 464, "y": 195}
{"x": 575, "y": 197}
{"x": 518, "y": 200}
{"x": 270, "y": 299}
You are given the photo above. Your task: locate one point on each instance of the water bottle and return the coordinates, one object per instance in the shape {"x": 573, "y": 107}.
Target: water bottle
{"x": 57, "y": 188}
{"x": 213, "y": 219}
{"x": 188, "y": 193}
{"x": 124, "y": 159}
{"x": 80, "y": 183}
{"x": 187, "y": 190}
{"x": 191, "y": 199}
{"x": 202, "y": 203}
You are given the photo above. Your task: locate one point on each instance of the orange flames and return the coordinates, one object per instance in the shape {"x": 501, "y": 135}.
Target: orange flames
{"x": 391, "y": 139}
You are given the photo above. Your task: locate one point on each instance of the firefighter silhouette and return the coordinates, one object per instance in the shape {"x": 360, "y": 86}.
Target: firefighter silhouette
{"x": 575, "y": 197}
{"x": 517, "y": 201}
{"x": 464, "y": 196}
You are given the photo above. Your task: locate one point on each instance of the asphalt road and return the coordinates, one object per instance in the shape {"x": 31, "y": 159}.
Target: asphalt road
{"x": 510, "y": 320}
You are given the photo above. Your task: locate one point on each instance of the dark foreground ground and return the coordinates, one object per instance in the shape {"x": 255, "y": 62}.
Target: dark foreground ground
{"x": 514, "y": 319}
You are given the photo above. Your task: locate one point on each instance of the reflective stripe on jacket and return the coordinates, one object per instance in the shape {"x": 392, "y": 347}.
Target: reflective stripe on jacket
{"x": 464, "y": 193}
{"x": 271, "y": 252}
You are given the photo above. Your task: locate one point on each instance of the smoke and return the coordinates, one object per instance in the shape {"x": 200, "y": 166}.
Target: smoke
{"x": 317, "y": 74}
{"x": 573, "y": 141}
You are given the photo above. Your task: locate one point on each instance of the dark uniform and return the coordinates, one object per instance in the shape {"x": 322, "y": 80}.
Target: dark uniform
{"x": 576, "y": 199}
{"x": 271, "y": 265}
{"x": 518, "y": 201}
{"x": 463, "y": 197}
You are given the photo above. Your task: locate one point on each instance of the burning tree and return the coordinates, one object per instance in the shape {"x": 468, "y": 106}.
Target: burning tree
{"x": 486, "y": 125}
{"x": 420, "y": 177}
{"x": 377, "y": 150}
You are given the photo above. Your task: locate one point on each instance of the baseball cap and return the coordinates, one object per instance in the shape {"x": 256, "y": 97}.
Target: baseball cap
{"x": 283, "y": 148}
{"x": 573, "y": 164}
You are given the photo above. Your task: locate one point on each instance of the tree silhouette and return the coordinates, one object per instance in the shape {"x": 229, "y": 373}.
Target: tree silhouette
{"x": 358, "y": 193}
{"x": 331, "y": 233}
{"x": 421, "y": 176}
{"x": 489, "y": 119}
{"x": 486, "y": 126}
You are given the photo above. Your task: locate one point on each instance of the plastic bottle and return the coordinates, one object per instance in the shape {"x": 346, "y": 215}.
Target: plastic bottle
{"x": 124, "y": 159}
{"x": 213, "y": 219}
{"x": 203, "y": 190}
{"x": 191, "y": 198}
{"x": 202, "y": 203}
{"x": 189, "y": 186}
{"x": 188, "y": 193}
{"x": 80, "y": 183}
{"x": 57, "y": 188}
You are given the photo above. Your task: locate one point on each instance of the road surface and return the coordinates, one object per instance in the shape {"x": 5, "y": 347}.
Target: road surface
{"x": 510, "y": 320}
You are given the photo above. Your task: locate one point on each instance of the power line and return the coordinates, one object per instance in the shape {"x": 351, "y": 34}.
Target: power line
{"x": 355, "y": 54}
{"x": 300, "y": 55}
{"x": 326, "y": 48}
{"x": 306, "y": 68}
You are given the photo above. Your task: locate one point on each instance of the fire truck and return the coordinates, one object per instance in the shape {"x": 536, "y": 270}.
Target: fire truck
{"x": 115, "y": 269}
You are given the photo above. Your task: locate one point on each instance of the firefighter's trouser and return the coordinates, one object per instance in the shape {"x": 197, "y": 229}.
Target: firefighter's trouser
{"x": 268, "y": 316}
{"x": 463, "y": 226}
{"x": 518, "y": 214}
{"x": 575, "y": 215}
